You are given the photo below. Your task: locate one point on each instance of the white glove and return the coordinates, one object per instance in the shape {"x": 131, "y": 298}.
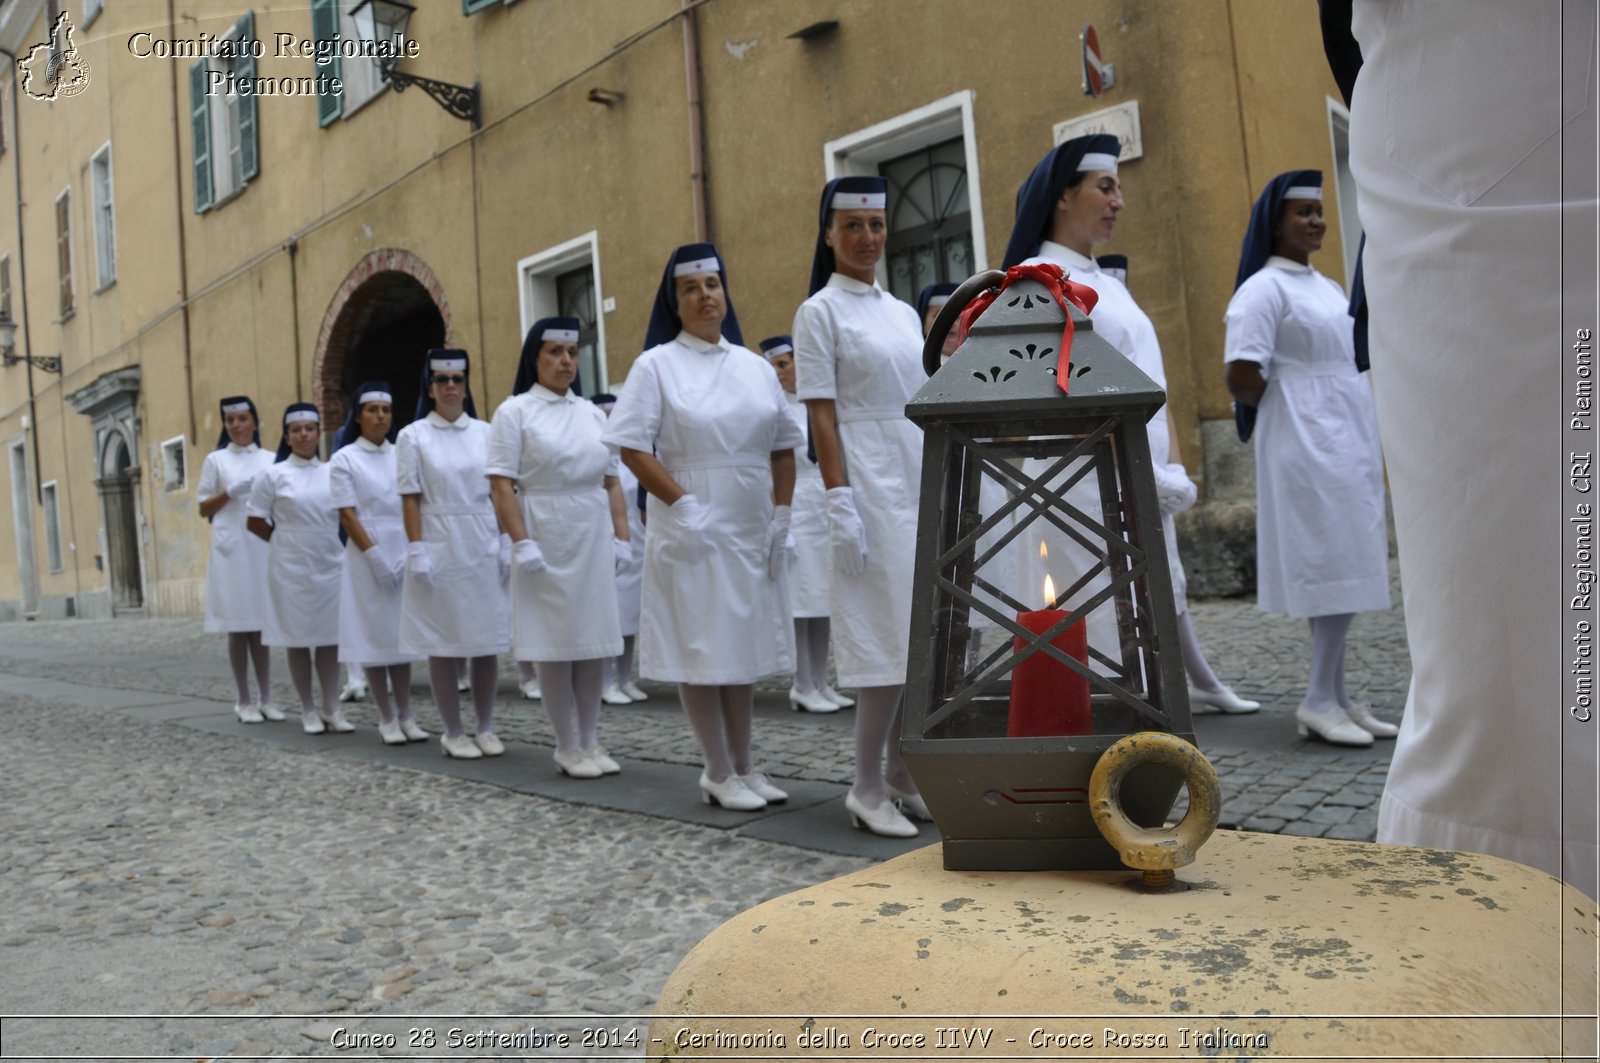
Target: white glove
{"x": 790, "y": 547}
{"x": 385, "y": 571}
{"x": 623, "y": 550}
{"x": 240, "y": 489}
{"x": 691, "y": 514}
{"x": 846, "y": 532}
{"x": 778, "y": 539}
{"x": 529, "y": 557}
{"x": 419, "y": 564}
{"x": 1175, "y": 492}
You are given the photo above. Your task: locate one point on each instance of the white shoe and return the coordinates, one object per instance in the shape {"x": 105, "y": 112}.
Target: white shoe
{"x": 885, "y": 819}
{"x": 1224, "y": 699}
{"x": 633, "y": 691}
{"x": 269, "y": 710}
{"x": 603, "y": 761}
{"x": 836, "y": 697}
{"x": 247, "y": 713}
{"x": 354, "y": 692}
{"x": 463, "y": 684}
{"x": 1331, "y": 725}
{"x": 489, "y": 743}
{"x": 337, "y": 723}
{"x": 391, "y": 734}
{"x": 461, "y": 747}
{"x": 413, "y": 733}
{"x": 577, "y": 765}
{"x": 731, "y": 793}
{"x": 1360, "y": 714}
{"x": 758, "y": 783}
{"x": 613, "y": 695}
{"x": 530, "y": 689}
{"x": 911, "y": 804}
{"x": 810, "y": 701}
{"x": 311, "y": 723}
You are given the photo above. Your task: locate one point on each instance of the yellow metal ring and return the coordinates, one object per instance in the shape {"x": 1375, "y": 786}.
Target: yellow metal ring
{"x": 1162, "y": 848}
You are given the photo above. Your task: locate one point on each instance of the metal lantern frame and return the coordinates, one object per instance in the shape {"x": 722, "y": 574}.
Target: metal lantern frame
{"x": 1006, "y": 803}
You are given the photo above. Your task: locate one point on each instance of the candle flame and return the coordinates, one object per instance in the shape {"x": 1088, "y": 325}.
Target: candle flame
{"x": 1049, "y": 592}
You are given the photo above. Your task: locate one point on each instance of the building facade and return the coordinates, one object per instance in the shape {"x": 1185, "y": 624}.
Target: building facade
{"x": 167, "y": 239}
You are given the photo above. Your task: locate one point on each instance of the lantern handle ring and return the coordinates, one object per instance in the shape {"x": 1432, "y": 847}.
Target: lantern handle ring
{"x": 970, "y": 289}
{"x": 1159, "y": 851}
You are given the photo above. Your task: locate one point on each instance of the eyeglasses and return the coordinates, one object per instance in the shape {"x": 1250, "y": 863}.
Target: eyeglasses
{"x": 453, "y": 378}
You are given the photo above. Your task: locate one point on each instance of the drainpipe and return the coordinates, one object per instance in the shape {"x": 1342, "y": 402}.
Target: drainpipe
{"x": 22, "y": 280}
{"x": 294, "y": 314}
{"x": 697, "y": 164}
{"x": 183, "y": 254}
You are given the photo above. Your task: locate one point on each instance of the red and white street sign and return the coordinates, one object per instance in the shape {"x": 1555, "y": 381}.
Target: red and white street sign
{"x": 1098, "y": 75}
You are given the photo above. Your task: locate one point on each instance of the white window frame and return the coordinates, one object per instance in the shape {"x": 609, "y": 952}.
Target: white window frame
{"x": 362, "y": 81}
{"x": 536, "y": 287}
{"x": 859, "y": 153}
{"x": 105, "y": 218}
{"x": 49, "y": 496}
{"x": 1344, "y": 187}
{"x": 175, "y": 463}
{"x": 227, "y": 133}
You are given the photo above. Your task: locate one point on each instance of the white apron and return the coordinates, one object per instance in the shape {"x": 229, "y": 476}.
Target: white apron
{"x": 304, "y": 556}
{"x": 465, "y": 611}
{"x": 1466, "y": 290}
{"x": 630, "y": 577}
{"x": 862, "y": 347}
{"x": 808, "y": 568}
{"x": 236, "y": 569}
{"x": 1322, "y": 544}
{"x": 362, "y": 476}
{"x": 713, "y": 414}
{"x": 550, "y": 446}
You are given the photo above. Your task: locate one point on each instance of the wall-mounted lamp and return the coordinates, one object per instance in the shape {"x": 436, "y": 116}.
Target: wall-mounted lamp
{"x": 8, "y": 348}
{"x": 605, "y": 97}
{"x": 382, "y": 24}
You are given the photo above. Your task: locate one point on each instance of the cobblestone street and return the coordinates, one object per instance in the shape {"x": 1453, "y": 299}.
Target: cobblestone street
{"x": 165, "y": 860}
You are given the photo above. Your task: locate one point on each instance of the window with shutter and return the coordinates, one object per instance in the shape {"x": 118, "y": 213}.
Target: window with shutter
{"x": 5, "y": 286}
{"x": 325, "y": 27}
{"x": 64, "y": 250}
{"x": 249, "y": 138}
{"x": 470, "y": 6}
{"x": 200, "y": 124}
{"x": 105, "y": 238}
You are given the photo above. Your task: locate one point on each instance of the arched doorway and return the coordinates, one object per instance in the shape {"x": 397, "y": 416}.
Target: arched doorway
{"x": 386, "y": 315}
{"x": 117, "y": 479}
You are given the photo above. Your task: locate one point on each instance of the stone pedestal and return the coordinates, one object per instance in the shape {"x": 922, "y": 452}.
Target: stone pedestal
{"x": 1272, "y": 946}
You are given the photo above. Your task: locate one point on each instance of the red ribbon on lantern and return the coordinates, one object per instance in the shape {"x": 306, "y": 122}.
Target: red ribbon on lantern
{"x": 1055, "y": 281}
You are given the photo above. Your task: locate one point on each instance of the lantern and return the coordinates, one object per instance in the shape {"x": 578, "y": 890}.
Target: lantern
{"x": 1002, "y": 739}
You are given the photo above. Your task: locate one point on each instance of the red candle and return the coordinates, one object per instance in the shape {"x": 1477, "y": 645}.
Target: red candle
{"x": 1047, "y": 697}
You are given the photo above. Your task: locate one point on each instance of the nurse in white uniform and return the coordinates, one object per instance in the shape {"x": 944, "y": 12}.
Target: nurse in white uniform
{"x": 704, "y": 426}
{"x": 808, "y": 560}
{"x": 858, "y": 351}
{"x": 1001, "y": 569}
{"x": 291, "y": 511}
{"x": 453, "y": 597}
{"x": 620, "y": 689}
{"x": 236, "y": 570}
{"x": 1067, "y": 205}
{"x": 361, "y": 486}
{"x": 1322, "y": 545}
{"x": 555, "y": 492}
{"x": 1470, "y": 186}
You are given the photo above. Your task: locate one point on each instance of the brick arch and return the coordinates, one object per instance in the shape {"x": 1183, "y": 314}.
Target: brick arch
{"x": 361, "y": 287}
